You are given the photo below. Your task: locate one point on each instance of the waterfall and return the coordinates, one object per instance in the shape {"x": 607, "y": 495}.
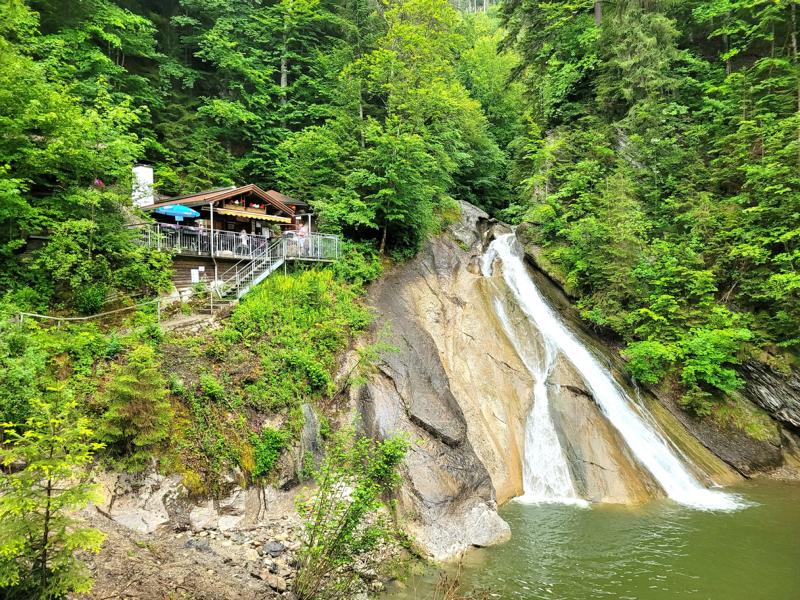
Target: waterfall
{"x": 545, "y": 472}
{"x": 545, "y": 463}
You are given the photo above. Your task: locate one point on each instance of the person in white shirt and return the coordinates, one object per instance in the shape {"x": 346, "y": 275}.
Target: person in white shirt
{"x": 244, "y": 241}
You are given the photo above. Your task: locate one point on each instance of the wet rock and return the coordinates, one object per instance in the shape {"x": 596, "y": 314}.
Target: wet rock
{"x": 601, "y": 465}
{"x": 310, "y": 441}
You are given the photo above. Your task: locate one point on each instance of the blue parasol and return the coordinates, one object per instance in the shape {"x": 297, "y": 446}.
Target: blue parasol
{"x": 178, "y": 211}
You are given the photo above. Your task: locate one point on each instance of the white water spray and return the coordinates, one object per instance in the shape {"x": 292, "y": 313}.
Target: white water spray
{"x": 646, "y": 444}
{"x": 545, "y": 472}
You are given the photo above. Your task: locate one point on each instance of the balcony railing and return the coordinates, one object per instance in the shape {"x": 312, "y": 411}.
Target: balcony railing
{"x": 229, "y": 244}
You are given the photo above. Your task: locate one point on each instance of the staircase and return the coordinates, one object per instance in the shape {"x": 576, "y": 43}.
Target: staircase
{"x": 241, "y": 277}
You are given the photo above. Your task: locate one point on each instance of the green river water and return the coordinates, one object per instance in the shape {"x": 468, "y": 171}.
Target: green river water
{"x": 655, "y": 552}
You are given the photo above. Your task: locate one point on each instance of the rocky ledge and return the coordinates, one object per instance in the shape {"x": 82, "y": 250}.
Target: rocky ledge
{"x": 161, "y": 543}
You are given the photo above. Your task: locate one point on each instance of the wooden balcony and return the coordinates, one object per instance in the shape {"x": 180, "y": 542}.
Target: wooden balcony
{"x": 197, "y": 241}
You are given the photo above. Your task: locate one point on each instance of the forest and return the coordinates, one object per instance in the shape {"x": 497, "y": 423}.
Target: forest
{"x": 649, "y": 153}
{"x": 659, "y": 165}
{"x": 654, "y": 146}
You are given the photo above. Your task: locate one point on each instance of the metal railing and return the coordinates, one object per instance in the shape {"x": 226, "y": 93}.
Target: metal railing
{"x": 314, "y": 246}
{"x": 238, "y": 279}
{"x": 229, "y": 244}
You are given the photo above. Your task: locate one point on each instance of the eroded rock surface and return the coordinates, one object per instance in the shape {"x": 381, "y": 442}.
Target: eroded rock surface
{"x": 601, "y": 465}
{"x": 456, "y": 386}
{"x": 777, "y": 393}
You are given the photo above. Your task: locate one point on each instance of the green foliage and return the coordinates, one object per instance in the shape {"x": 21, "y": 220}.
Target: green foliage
{"x": 659, "y": 167}
{"x": 276, "y": 352}
{"x": 268, "y": 446}
{"x": 43, "y": 482}
{"x": 295, "y": 326}
{"x": 22, "y": 365}
{"x": 212, "y": 388}
{"x": 407, "y": 135}
{"x": 649, "y": 361}
{"x": 138, "y": 413}
{"x": 377, "y": 115}
{"x": 342, "y": 521}
{"x": 359, "y": 263}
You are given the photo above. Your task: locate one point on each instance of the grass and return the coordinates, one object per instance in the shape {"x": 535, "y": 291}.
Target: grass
{"x": 277, "y": 351}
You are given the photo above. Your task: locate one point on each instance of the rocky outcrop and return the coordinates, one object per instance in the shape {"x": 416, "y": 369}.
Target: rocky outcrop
{"x": 455, "y": 386}
{"x": 150, "y": 502}
{"x": 601, "y": 465}
{"x": 242, "y": 545}
{"x": 777, "y": 393}
{"x": 718, "y": 454}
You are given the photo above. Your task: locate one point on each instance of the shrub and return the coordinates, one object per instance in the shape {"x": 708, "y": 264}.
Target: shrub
{"x": 89, "y": 299}
{"x": 22, "y": 363}
{"x": 708, "y": 354}
{"x": 649, "y": 361}
{"x": 212, "y": 388}
{"x": 359, "y": 263}
{"x": 138, "y": 413}
{"x": 342, "y": 521}
{"x": 267, "y": 448}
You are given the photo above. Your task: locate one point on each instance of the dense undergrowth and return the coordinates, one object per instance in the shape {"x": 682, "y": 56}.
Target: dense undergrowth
{"x": 227, "y": 400}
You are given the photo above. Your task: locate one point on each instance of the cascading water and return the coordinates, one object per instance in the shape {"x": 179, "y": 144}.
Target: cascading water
{"x": 545, "y": 471}
{"x": 545, "y": 465}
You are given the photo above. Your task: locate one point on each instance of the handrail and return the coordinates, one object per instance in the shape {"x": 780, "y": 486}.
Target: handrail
{"x": 263, "y": 250}
{"x": 242, "y": 278}
{"x": 157, "y": 301}
{"x": 313, "y": 246}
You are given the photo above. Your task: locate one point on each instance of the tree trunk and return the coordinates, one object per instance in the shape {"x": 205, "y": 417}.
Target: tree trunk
{"x": 46, "y": 535}
{"x": 284, "y": 69}
{"x": 383, "y": 240}
{"x": 793, "y": 9}
{"x": 598, "y": 12}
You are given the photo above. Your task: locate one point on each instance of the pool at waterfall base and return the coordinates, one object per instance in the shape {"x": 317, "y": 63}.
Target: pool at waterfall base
{"x": 657, "y": 551}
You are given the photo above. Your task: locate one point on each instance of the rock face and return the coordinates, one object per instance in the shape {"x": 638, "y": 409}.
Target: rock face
{"x": 456, "y": 386}
{"x": 718, "y": 454}
{"x": 461, "y": 390}
{"x": 150, "y": 502}
{"x": 776, "y": 393}
{"x": 601, "y": 465}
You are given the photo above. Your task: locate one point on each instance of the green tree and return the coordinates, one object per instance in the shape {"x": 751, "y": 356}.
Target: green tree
{"x": 44, "y": 480}
{"x": 660, "y": 170}
{"x": 138, "y": 413}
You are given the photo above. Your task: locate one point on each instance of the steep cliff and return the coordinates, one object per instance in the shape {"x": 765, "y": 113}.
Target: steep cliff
{"x": 454, "y": 384}
{"x": 460, "y": 389}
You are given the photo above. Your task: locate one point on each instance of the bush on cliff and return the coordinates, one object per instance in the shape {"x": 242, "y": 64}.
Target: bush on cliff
{"x": 342, "y": 519}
